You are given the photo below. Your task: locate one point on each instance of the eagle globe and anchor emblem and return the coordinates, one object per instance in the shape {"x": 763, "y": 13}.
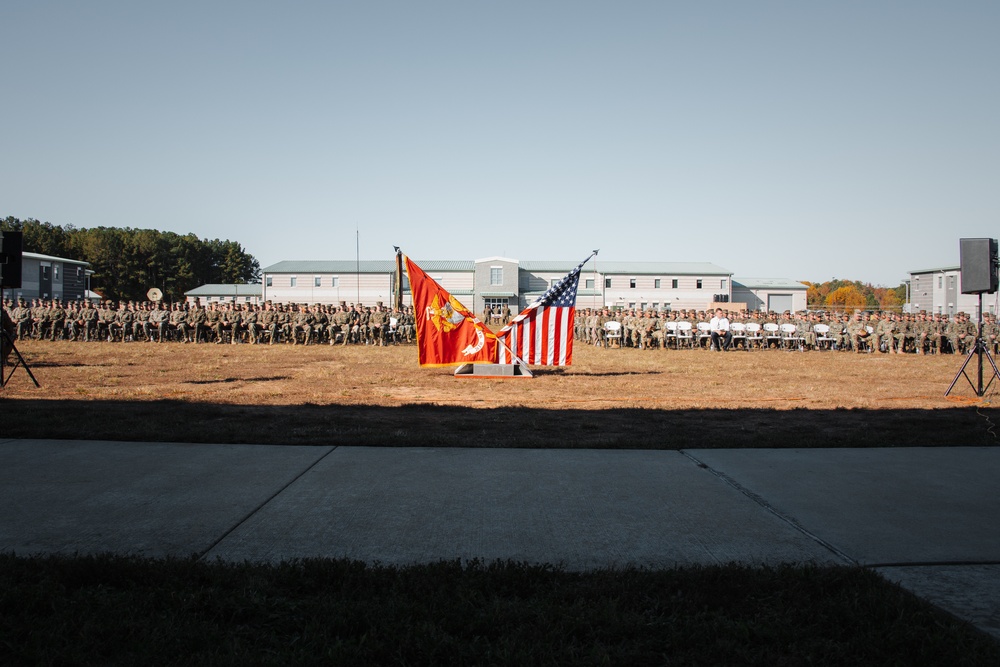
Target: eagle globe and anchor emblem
{"x": 448, "y": 316}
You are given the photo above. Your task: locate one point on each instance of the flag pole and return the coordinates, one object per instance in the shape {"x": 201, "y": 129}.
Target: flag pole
{"x": 503, "y": 341}
{"x": 398, "y": 304}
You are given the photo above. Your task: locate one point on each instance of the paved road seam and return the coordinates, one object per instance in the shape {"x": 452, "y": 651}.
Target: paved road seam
{"x": 261, "y": 506}
{"x": 766, "y": 506}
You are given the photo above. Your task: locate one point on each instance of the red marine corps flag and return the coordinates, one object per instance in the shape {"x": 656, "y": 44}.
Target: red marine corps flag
{"x": 447, "y": 333}
{"x": 542, "y": 334}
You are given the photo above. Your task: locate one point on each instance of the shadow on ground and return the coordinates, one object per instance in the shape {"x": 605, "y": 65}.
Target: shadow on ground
{"x": 450, "y": 426}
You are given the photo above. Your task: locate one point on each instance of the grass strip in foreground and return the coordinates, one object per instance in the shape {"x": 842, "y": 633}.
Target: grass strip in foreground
{"x": 114, "y": 610}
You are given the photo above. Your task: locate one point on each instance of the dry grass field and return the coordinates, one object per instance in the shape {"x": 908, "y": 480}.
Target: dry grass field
{"x": 380, "y": 396}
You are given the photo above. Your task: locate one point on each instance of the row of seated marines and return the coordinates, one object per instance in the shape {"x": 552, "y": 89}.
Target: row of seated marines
{"x": 870, "y": 332}
{"x": 886, "y": 332}
{"x": 217, "y": 323}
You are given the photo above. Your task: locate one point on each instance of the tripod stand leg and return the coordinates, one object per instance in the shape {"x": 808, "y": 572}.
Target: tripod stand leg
{"x": 961, "y": 372}
{"x": 20, "y": 361}
{"x": 978, "y": 349}
{"x": 996, "y": 372}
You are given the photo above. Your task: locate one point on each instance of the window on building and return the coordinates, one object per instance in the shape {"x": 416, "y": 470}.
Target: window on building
{"x": 656, "y": 283}
{"x": 722, "y": 284}
{"x": 267, "y": 281}
{"x": 335, "y": 281}
{"x": 940, "y": 282}
{"x": 607, "y": 282}
{"x": 631, "y": 283}
{"x": 698, "y": 284}
{"x": 293, "y": 279}
{"x": 496, "y": 275}
{"x": 554, "y": 281}
{"x": 55, "y": 272}
{"x": 673, "y": 283}
{"x": 588, "y": 283}
{"x": 317, "y": 282}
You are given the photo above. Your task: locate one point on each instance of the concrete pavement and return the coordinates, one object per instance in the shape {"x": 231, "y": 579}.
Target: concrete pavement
{"x": 925, "y": 517}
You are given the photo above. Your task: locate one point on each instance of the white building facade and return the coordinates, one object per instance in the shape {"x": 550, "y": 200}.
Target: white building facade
{"x": 504, "y": 282}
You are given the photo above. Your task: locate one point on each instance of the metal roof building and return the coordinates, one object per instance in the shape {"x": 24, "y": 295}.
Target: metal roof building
{"x": 771, "y": 294}
{"x": 500, "y": 282}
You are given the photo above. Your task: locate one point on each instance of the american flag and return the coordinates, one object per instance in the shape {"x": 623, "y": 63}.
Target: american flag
{"x": 542, "y": 334}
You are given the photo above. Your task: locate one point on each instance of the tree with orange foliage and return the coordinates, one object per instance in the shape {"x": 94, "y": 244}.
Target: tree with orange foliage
{"x": 847, "y": 298}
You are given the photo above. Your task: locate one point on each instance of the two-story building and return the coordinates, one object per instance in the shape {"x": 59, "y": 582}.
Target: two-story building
{"x": 48, "y": 277}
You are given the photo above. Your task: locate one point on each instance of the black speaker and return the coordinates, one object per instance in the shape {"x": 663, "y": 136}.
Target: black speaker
{"x": 10, "y": 259}
{"x": 979, "y": 265}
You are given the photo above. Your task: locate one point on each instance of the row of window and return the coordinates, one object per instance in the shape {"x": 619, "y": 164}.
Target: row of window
{"x": 317, "y": 281}
{"x": 657, "y": 283}
{"x": 55, "y": 271}
{"x": 496, "y": 278}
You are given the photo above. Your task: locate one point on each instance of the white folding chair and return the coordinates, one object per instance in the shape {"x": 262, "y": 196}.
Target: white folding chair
{"x": 612, "y": 332}
{"x": 772, "y": 334}
{"x": 739, "y": 332}
{"x": 704, "y": 334}
{"x": 684, "y": 334}
{"x": 823, "y": 336}
{"x": 670, "y": 334}
{"x": 790, "y": 337}
{"x": 753, "y": 335}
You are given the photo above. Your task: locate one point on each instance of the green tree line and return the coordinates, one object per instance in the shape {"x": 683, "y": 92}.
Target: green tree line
{"x": 127, "y": 262}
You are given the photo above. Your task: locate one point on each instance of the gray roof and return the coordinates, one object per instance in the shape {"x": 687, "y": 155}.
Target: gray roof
{"x": 938, "y": 270}
{"x": 630, "y": 268}
{"x": 768, "y": 283}
{"x": 50, "y": 258}
{"x": 253, "y": 289}
{"x": 364, "y": 266}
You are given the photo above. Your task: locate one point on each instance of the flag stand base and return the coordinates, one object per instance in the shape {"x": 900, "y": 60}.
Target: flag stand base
{"x": 493, "y": 371}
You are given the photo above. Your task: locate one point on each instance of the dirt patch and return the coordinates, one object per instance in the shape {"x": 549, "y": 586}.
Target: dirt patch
{"x": 608, "y": 398}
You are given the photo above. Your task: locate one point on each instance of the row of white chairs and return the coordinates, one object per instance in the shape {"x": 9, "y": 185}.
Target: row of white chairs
{"x": 684, "y": 334}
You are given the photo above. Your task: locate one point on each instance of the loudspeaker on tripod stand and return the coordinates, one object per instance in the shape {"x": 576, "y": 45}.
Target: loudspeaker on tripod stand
{"x": 979, "y": 265}
{"x": 10, "y": 259}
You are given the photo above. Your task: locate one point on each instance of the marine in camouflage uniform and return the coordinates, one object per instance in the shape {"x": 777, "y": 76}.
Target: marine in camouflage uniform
{"x": 962, "y": 333}
{"x": 159, "y": 321}
{"x": 376, "y": 325}
{"x": 858, "y": 334}
{"x": 197, "y": 322}
{"x": 21, "y": 316}
{"x": 89, "y": 319}
{"x": 302, "y": 321}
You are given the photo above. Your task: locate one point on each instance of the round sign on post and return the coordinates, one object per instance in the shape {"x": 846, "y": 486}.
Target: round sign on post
{"x": 154, "y": 294}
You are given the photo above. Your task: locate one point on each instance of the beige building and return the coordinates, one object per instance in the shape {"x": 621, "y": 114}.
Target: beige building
{"x": 501, "y": 282}
{"x": 504, "y": 282}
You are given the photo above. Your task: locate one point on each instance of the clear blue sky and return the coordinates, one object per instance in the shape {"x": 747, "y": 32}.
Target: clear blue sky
{"x": 801, "y": 140}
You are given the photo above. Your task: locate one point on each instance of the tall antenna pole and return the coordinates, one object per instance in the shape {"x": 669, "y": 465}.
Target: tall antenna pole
{"x": 357, "y": 265}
